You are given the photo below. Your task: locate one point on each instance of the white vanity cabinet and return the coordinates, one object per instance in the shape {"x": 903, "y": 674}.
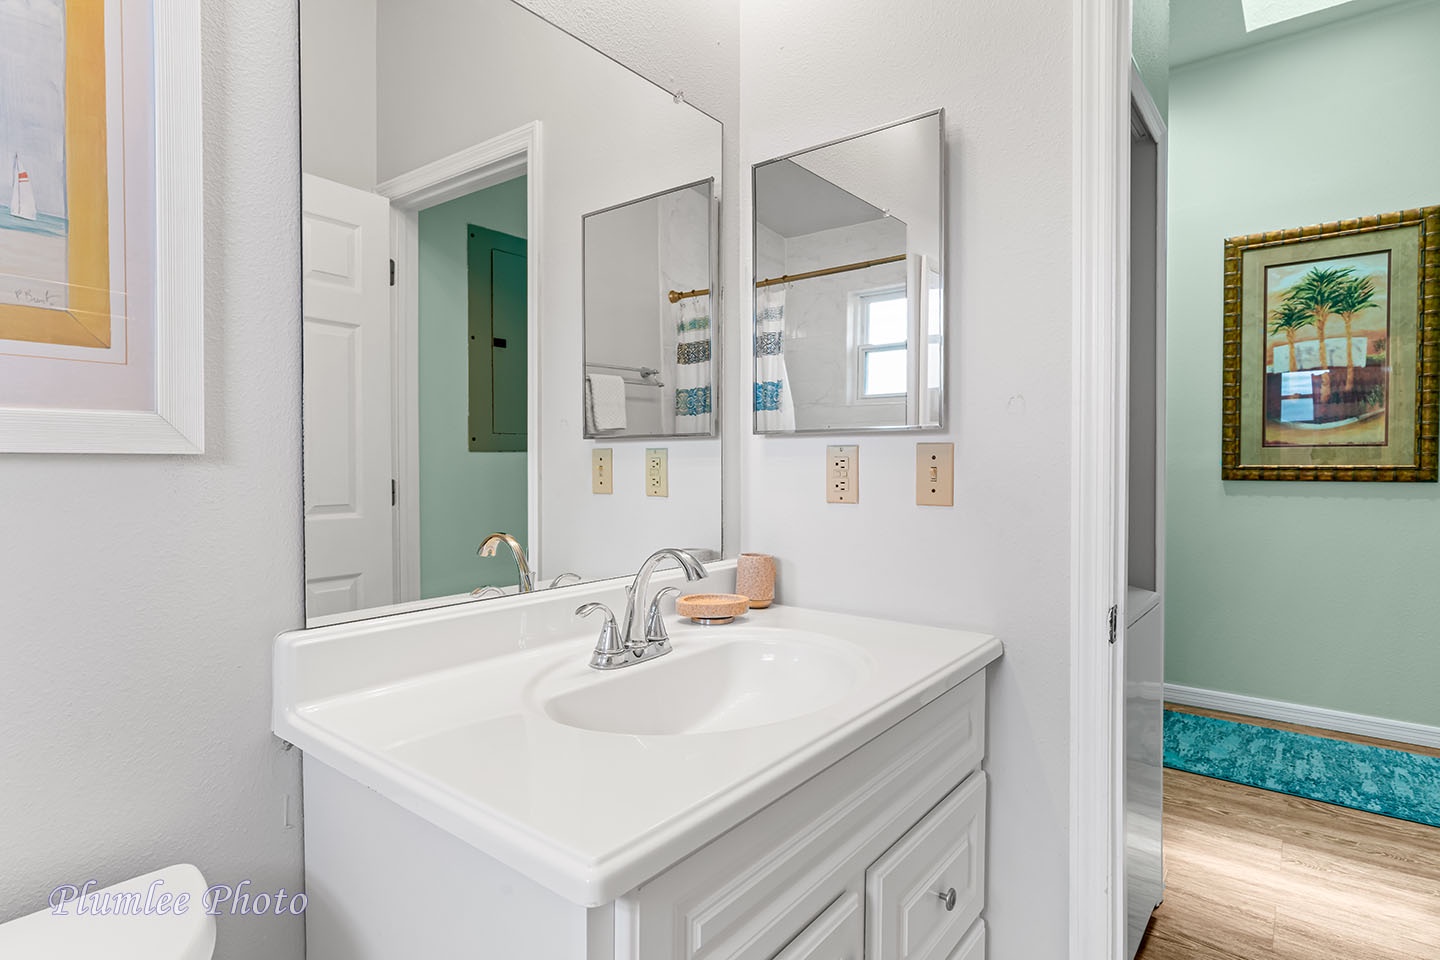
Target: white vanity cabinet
{"x": 449, "y": 813}
{"x": 856, "y": 863}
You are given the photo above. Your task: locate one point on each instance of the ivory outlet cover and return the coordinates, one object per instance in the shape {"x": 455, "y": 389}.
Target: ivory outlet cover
{"x": 602, "y": 463}
{"x": 935, "y": 474}
{"x": 657, "y": 472}
{"x": 842, "y": 474}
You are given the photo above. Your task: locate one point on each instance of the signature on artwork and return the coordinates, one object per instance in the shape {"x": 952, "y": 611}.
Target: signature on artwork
{"x": 47, "y": 298}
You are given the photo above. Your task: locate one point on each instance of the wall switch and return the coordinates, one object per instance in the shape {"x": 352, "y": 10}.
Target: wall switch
{"x": 935, "y": 474}
{"x": 842, "y": 474}
{"x": 602, "y": 463}
{"x": 657, "y": 472}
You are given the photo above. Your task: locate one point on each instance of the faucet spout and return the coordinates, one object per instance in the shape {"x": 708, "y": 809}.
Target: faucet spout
{"x": 492, "y": 543}
{"x": 631, "y": 632}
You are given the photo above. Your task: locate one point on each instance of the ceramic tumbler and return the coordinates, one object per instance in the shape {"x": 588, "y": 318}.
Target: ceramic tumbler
{"x": 755, "y": 578}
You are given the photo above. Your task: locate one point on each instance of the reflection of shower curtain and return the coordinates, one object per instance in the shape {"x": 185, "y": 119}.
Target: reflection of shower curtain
{"x": 774, "y": 406}
{"x": 693, "y": 383}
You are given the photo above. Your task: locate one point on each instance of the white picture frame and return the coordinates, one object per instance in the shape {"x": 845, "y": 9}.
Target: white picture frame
{"x": 177, "y": 424}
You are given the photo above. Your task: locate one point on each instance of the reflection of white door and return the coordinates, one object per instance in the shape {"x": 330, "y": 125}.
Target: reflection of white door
{"x": 349, "y": 554}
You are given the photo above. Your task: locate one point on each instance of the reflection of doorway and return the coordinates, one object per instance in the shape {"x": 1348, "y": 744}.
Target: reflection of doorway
{"x": 471, "y": 384}
{"x": 484, "y": 186}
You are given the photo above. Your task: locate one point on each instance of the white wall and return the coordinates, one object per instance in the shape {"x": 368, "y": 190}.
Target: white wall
{"x": 607, "y": 138}
{"x": 998, "y": 560}
{"x": 337, "y": 87}
{"x": 140, "y": 594}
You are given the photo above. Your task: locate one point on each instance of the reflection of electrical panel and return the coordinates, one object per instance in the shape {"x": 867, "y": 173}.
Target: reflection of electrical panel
{"x": 935, "y": 474}
{"x": 601, "y": 463}
{"x": 657, "y": 472}
{"x": 842, "y": 474}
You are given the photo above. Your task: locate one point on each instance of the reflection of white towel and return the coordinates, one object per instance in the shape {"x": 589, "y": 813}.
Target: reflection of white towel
{"x": 605, "y": 401}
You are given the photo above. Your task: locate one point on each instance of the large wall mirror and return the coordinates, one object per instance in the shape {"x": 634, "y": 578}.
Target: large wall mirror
{"x": 453, "y": 153}
{"x": 850, "y": 284}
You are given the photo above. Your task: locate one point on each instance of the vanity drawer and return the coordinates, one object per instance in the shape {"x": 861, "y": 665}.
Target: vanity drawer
{"x": 973, "y": 946}
{"x": 905, "y": 890}
{"x": 837, "y": 934}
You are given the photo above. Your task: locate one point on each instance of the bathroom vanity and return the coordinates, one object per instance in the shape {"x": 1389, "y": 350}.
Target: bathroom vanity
{"x": 797, "y": 784}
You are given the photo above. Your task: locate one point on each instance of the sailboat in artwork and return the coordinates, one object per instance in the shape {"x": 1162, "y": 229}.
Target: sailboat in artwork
{"x": 22, "y": 194}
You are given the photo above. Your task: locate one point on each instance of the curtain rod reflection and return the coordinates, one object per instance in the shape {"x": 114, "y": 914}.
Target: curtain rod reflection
{"x": 677, "y": 295}
{"x": 649, "y": 376}
{"x": 843, "y": 268}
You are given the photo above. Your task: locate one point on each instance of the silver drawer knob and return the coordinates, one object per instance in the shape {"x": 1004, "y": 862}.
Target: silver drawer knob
{"x": 947, "y": 897}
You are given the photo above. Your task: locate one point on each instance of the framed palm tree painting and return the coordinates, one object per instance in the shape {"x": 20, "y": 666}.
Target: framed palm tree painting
{"x": 1330, "y": 358}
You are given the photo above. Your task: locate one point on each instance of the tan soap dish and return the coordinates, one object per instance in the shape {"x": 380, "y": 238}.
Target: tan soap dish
{"x": 712, "y": 608}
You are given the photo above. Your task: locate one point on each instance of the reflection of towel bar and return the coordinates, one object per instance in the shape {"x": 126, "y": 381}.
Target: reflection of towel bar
{"x": 677, "y": 295}
{"x": 649, "y": 376}
{"x": 843, "y": 268}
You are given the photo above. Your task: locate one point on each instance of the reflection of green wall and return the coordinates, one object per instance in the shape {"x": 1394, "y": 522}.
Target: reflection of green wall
{"x": 463, "y": 495}
{"x": 1320, "y": 594}
{"x": 1150, "y": 46}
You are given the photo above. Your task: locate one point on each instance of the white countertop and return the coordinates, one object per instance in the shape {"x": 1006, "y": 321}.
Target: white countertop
{"x": 589, "y": 815}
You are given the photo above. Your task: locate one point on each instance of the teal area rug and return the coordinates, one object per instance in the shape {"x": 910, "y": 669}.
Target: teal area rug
{"x": 1389, "y": 782}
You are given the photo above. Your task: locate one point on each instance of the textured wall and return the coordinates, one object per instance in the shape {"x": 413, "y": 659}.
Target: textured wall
{"x": 997, "y": 560}
{"x": 1150, "y": 46}
{"x": 139, "y": 595}
{"x": 1321, "y": 594}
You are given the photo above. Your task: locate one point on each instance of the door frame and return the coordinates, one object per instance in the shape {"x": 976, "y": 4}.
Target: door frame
{"x": 483, "y": 165}
{"x": 1100, "y": 113}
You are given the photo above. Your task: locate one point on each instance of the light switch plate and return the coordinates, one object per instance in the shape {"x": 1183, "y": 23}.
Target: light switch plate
{"x": 842, "y": 474}
{"x": 935, "y": 474}
{"x": 602, "y": 463}
{"x": 657, "y": 472}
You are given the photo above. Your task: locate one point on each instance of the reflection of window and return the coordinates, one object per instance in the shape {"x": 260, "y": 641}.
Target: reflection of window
{"x": 882, "y": 354}
{"x": 881, "y": 351}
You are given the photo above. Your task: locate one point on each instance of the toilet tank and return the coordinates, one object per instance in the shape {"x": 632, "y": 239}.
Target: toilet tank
{"x": 132, "y": 920}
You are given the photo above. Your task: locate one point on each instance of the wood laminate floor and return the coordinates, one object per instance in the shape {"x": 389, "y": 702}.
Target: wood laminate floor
{"x": 1254, "y": 875}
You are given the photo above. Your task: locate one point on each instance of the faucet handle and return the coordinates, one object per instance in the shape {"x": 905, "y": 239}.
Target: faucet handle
{"x": 654, "y": 620}
{"x": 560, "y": 580}
{"x": 610, "y": 642}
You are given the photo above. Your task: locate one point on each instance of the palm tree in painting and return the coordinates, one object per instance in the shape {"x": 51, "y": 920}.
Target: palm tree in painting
{"x": 1288, "y": 320}
{"x": 1318, "y": 293}
{"x": 1355, "y": 296}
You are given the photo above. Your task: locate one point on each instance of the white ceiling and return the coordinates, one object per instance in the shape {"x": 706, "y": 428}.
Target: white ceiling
{"x": 794, "y": 202}
{"x": 1207, "y": 28}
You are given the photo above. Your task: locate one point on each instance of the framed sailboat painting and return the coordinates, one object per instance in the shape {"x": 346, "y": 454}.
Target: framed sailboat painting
{"x": 101, "y": 312}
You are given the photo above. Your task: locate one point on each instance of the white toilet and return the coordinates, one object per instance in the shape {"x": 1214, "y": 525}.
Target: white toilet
{"x": 129, "y": 927}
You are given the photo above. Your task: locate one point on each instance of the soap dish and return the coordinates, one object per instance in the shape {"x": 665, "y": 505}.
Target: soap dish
{"x": 712, "y": 608}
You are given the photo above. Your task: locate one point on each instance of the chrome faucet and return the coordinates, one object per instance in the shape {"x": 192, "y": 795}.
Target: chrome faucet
{"x": 622, "y": 646}
{"x": 492, "y": 543}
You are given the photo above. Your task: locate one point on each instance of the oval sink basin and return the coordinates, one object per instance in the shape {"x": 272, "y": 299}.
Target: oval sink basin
{"x": 747, "y": 680}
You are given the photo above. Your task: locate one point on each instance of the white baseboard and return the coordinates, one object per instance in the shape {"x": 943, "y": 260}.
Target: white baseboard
{"x": 1356, "y": 723}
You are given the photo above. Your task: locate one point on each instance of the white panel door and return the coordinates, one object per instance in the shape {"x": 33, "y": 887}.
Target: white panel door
{"x": 349, "y": 551}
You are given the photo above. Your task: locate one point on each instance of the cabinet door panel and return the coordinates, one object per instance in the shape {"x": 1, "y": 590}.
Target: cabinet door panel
{"x": 837, "y": 934}
{"x": 910, "y": 913}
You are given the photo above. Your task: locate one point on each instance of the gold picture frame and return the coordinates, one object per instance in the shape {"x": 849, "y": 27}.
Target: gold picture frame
{"x": 1332, "y": 351}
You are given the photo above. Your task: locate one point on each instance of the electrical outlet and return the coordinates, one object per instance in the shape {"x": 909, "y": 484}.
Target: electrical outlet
{"x": 601, "y": 470}
{"x": 657, "y": 472}
{"x": 935, "y": 474}
{"x": 842, "y": 474}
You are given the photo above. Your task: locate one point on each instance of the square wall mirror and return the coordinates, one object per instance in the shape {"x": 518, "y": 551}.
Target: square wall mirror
{"x": 650, "y": 362}
{"x": 850, "y": 283}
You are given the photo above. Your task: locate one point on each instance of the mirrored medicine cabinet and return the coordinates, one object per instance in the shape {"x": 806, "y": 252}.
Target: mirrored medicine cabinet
{"x": 849, "y": 259}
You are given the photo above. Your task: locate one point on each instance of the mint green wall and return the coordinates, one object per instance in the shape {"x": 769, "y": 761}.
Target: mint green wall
{"x": 1320, "y": 594}
{"x": 463, "y": 495}
{"x": 1150, "y": 46}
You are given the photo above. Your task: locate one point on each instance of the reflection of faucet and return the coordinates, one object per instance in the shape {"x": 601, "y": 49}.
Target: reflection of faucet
{"x": 483, "y": 593}
{"x": 492, "y": 543}
{"x": 620, "y": 646}
{"x": 560, "y": 580}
